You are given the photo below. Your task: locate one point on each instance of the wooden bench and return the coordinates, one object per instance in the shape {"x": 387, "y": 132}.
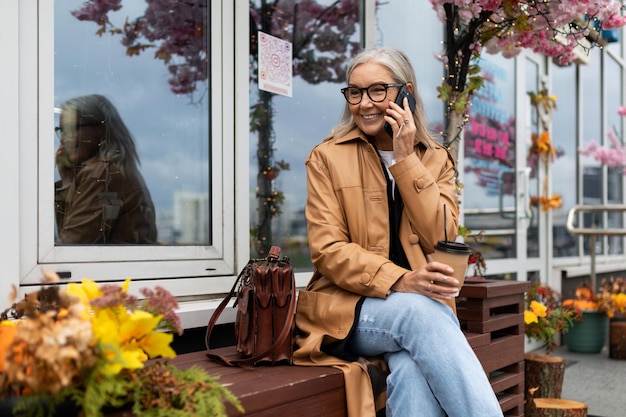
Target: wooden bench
{"x": 273, "y": 391}
{"x": 491, "y": 316}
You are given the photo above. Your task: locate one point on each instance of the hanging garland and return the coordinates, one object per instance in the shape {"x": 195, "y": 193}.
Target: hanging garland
{"x": 542, "y": 148}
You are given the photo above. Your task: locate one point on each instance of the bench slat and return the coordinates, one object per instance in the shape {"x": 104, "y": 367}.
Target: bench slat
{"x": 265, "y": 390}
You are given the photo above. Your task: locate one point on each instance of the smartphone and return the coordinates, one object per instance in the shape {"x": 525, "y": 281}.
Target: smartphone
{"x": 400, "y": 102}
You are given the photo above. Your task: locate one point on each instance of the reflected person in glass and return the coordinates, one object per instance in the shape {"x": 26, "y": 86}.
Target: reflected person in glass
{"x": 102, "y": 197}
{"x": 375, "y": 210}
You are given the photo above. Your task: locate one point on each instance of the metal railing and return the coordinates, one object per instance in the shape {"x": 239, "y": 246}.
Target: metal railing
{"x": 593, "y": 232}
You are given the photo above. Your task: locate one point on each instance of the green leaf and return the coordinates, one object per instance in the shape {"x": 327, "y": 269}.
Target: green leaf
{"x": 444, "y": 91}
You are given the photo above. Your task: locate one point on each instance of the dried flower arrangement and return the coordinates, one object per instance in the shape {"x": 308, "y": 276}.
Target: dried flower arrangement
{"x": 88, "y": 344}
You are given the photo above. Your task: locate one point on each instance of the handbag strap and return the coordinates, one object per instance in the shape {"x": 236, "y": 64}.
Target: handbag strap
{"x": 282, "y": 336}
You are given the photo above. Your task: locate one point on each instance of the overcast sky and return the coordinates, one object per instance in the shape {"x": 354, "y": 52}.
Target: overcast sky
{"x": 169, "y": 131}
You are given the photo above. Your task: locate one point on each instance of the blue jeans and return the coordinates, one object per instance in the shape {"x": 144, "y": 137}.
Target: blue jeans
{"x": 434, "y": 371}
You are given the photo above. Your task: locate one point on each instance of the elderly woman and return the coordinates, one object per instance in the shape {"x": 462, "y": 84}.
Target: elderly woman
{"x": 375, "y": 210}
{"x": 101, "y": 197}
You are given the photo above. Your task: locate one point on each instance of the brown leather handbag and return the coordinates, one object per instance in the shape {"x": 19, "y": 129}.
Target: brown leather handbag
{"x": 265, "y": 293}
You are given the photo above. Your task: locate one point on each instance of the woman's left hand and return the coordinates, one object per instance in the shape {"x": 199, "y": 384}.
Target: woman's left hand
{"x": 432, "y": 280}
{"x": 403, "y": 126}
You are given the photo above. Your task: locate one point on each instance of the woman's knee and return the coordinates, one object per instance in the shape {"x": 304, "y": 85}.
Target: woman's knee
{"x": 421, "y": 310}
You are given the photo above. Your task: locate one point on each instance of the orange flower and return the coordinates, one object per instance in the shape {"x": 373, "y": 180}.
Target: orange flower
{"x": 584, "y": 293}
{"x": 542, "y": 146}
{"x": 7, "y": 334}
{"x": 581, "y": 304}
{"x": 546, "y": 203}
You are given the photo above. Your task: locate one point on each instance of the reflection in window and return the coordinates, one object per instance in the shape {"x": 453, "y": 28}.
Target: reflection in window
{"x": 101, "y": 196}
{"x": 593, "y": 186}
{"x": 155, "y": 72}
{"x": 614, "y": 191}
{"x": 533, "y": 85}
{"x": 489, "y": 146}
{"x": 392, "y": 19}
{"x": 563, "y": 168}
{"x": 285, "y": 129}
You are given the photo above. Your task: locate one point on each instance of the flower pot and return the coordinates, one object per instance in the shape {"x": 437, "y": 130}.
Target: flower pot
{"x": 617, "y": 339}
{"x": 590, "y": 335}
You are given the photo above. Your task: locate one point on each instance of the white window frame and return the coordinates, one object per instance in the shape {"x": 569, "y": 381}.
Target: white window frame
{"x": 10, "y": 203}
{"x": 196, "y": 273}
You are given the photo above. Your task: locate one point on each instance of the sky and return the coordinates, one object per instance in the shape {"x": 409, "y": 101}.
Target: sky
{"x": 170, "y": 133}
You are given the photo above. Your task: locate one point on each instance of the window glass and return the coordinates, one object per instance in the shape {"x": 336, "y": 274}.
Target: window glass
{"x": 563, "y": 167}
{"x": 533, "y": 163}
{"x": 614, "y": 38}
{"x": 614, "y": 99}
{"x": 132, "y": 80}
{"x": 392, "y": 19}
{"x": 489, "y": 172}
{"x": 593, "y": 185}
{"x": 284, "y": 129}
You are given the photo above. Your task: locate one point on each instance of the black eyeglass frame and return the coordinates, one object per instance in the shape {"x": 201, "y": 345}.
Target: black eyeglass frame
{"x": 59, "y": 130}
{"x": 344, "y": 91}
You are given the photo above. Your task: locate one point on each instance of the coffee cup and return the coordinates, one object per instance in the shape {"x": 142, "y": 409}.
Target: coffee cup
{"x": 455, "y": 254}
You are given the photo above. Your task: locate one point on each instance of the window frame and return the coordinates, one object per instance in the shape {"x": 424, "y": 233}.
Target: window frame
{"x": 181, "y": 269}
{"x": 10, "y": 241}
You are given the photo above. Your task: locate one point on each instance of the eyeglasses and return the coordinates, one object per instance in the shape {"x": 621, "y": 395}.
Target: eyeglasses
{"x": 376, "y": 92}
{"x": 69, "y": 131}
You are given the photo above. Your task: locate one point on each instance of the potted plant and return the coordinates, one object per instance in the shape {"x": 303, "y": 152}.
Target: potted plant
{"x": 612, "y": 296}
{"x": 589, "y": 336}
{"x": 85, "y": 348}
{"x": 476, "y": 258}
{"x": 545, "y": 318}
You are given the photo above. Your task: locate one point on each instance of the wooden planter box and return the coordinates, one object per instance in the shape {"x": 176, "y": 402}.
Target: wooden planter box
{"x": 492, "y": 316}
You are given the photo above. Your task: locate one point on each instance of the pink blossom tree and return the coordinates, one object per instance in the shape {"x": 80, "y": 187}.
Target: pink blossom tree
{"x": 614, "y": 155}
{"x": 175, "y": 30}
{"x": 551, "y": 27}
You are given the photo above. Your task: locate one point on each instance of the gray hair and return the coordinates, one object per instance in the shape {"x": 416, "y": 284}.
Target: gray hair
{"x": 118, "y": 145}
{"x": 402, "y": 71}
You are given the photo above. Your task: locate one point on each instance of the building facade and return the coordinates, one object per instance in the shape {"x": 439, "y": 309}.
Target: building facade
{"x": 203, "y": 128}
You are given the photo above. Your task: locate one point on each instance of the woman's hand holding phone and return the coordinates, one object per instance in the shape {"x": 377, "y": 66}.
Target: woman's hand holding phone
{"x": 404, "y": 136}
{"x": 404, "y": 93}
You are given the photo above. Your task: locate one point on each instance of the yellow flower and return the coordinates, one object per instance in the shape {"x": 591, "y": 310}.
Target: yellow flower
{"x": 86, "y": 291}
{"x": 124, "y": 358}
{"x": 538, "y": 308}
{"x": 140, "y": 329}
{"x": 106, "y": 326}
{"x": 158, "y": 344}
{"x": 128, "y": 339}
{"x": 530, "y": 317}
{"x": 620, "y": 302}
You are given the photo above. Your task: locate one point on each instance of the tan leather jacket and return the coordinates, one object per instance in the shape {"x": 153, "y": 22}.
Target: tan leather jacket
{"x": 348, "y": 229}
